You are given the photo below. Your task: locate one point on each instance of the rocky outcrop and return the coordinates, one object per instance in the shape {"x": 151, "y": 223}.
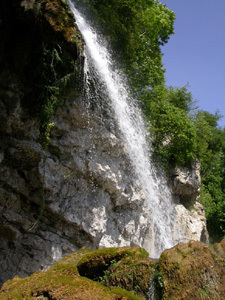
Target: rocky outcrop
{"x": 191, "y": 223}
{"x": 187, "y": 271}
{"x": 186, "y": 183}
{"x": 89, "y": 198}
{"x": 192, "y": 271}
{"x": 78, "y": 189}
{"x": 190, "y": 214}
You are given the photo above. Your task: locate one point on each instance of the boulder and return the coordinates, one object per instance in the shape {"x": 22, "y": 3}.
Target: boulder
{"x": 192, "y": 271}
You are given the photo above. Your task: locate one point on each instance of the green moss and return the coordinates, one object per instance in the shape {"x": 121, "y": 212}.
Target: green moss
{"x": 112, "y": 253}
{"x": 17, "y": 295}
{"x": 199, "y": 276}
{"x": 191, "y": 271}
{"x": 206, "y": 292}
{"x": 63, "y": 280}
{"x": 122, "y": 292}
{"x": 128, "y": 268}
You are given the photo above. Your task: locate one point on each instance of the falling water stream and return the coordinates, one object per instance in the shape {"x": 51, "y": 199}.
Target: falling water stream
{"x": 130, "y": 122}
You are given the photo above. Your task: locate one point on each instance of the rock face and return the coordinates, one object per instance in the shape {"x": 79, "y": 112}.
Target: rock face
{"x": 186, "y": 183}
{"x": 30, "y": 43}
{"x": 81, "y": 190}
{"x": 190, "y": 218}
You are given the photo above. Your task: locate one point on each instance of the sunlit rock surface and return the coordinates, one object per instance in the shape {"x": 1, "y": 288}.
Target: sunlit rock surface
{"x": 190, "y": 218}
{"x": 186, "y": 183}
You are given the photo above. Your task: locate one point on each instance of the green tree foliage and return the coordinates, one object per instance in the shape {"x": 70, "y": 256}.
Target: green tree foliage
{"x": 174, "y": 135}
{"x": 211, "y": 144}
{"x": 137, "y": 29}
{"x": 180, "y": 135}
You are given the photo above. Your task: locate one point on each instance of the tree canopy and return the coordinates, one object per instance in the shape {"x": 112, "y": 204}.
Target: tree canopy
{"x": 137, "y": 29}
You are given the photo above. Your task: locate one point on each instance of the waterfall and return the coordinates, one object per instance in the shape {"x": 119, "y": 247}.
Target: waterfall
{"x": 151, "y": 290}
{"x": 130, "y": 122}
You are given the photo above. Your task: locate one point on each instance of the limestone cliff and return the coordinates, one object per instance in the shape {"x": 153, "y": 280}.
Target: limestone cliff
{"x": 80, "y": 190}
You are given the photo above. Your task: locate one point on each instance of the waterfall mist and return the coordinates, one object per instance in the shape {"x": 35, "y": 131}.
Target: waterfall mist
{"x": 112, "y": 83}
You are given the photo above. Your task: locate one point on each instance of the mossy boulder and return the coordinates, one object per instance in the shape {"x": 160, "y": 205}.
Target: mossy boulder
{"x": 192, "y": 271}
{"x": 63, "y": 280}
{"x": 187, "y": 271}
{"x": 219, "y": 248}
{"x": 128, "y": 268}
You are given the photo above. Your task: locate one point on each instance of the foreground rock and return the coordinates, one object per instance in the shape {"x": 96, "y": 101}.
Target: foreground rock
{"x": 187, "y": 271}
{"x": 193, "y": 271}
{"x": 63, "y": 280}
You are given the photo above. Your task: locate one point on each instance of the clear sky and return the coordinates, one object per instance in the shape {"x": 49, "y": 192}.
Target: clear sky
{"x": 196, "y": 52}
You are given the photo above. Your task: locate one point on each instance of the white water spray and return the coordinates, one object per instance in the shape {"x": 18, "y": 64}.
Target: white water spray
{"x": 132, "y": 127}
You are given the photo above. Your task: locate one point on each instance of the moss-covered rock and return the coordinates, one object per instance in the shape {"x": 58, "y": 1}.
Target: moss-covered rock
{"x": 63, "y": 281}
{"x": 192, "y": 271}
{"x": 58, "y": 16}
{"x": 187, "y": 271}
{"x": 219, "y": 248}
{"x": 128, "y": 268}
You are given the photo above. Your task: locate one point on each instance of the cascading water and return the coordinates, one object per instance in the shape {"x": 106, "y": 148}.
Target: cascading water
{"x": 132, "y": 127}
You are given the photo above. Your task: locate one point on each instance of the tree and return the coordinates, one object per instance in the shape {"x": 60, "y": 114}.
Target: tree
{"x": 211, "y": 147}
{"x": 137, "y": 29}
{"x": 173, "y": 132}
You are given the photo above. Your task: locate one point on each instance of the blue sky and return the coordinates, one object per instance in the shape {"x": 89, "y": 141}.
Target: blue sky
{"x": 196, "y": 52}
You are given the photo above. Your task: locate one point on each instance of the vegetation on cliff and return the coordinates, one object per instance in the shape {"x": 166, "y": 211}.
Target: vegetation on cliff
{"x": 137, "y": 30}
{"x": 40, "y": 50}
